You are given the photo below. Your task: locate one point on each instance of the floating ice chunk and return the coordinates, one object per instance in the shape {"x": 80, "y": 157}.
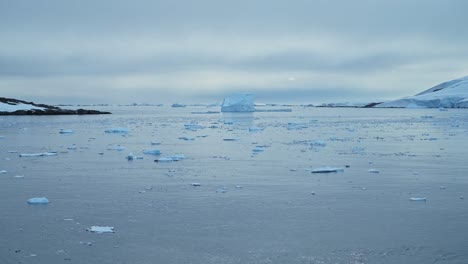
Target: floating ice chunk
{"x": 178, "y": 105}
{"x": 152, "y": 152}
{"x": 66, "y": 131}
{"x": 19, "y": 176}
{"x": 221, "y": 190}
{"x": 12, "y": 151}
{"x": 327, "y": 170}
{"x": 297, "y": 126}
{"x": 318, "y": 143}
{"x": 117, "y": 130}
{"x": 39, "y": 154}
{"x": 196, "y": 184}
{"x": 155, "y": 143}
{"x": 101, "y": 229}
{"x": 373, "y": 171}
{"x": 176, "y": 157}
{"x": 3, "y": 171}
{"x": 238, "y": 103}
{"x": 418, "y": 199}
{"x": 258, "y": 149}
{"x": 230, "y": 139}
{"x": 130, "y": 156}
{"x": 118, "y": 148}
{"x": 357, "y": 150}
{"x": 228, "y": 122}
{"x": 256, "y": 129}
{"x": 72, "y": 147}
{"x": 38, "y": 200}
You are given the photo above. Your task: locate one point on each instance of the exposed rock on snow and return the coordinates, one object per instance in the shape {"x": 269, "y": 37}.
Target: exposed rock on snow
{"x": 9, "y": 106}
{"x": 238, "y": 103}
{"x": 451, "y": 94}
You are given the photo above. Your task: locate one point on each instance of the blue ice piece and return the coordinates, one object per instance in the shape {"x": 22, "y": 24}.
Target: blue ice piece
{"x": 38, "y": 200}
{"x": 152, "y": 152}
{"x": 117, "y": 130}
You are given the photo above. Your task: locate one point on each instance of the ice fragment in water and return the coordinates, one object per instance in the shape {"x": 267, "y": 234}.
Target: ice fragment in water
{"x": 256, "y": 129}
{"x": 296, "y": 126}
{"x": 176, "y": 157}
{"x": 187, "y": 139}
{"x": 418, "y": 199}
{"x": 117, "y": 130}
{"x": 238, "y": 103}
{"x": 118, "y": 148}
{"x": 38, "y": 200}
{"x": 39, "y": 154}
{"x": 3, "y": 171}
{"x": 196, "y": 184}
{"x": 373, "y": 171}
{"x": 318, "y": 143}
{"x": 327, "y": 169}
{"x": 130, "y": 156}
{"x": 66, "y": 131}
{"x": 152, "y": 152}
{"x": 101, "y": 229}
{"x": 155, "y": 143}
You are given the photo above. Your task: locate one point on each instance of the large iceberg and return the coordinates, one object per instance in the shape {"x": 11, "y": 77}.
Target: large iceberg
{"x": 451, "y": 94}
{"x": 238, "y": 103}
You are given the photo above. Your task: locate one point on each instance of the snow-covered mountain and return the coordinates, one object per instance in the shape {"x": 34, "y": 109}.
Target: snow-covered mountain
{"x": 10, "y": 106}
{"x": 451, "y": 94}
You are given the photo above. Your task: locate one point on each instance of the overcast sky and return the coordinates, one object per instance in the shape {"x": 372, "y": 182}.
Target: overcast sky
{"x": 307, "y": 51}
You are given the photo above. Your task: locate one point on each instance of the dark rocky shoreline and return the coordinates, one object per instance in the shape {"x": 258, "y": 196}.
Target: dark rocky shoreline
{"x": 48, "y": 109}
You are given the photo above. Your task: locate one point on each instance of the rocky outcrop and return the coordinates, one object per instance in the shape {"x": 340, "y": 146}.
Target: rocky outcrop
{"x": 30, "y": 108}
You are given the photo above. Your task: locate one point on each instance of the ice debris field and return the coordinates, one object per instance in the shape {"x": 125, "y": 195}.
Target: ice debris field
{"x": 173, "y": 184}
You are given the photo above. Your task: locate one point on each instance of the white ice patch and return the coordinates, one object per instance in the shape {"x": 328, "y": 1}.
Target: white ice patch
{"x": 418, "y": 199}
{"x": 152, "y": 152}
{"x": 101, "y": 229}
{"x": 171, "y": 158}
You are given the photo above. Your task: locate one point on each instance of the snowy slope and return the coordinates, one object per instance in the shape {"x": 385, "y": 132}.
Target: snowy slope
{"x": 451, "y": 94}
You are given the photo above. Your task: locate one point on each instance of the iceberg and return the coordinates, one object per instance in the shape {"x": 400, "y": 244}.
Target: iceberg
{"x": 39, "y": 154}
{"x": 38, "y": 200}
{"x": 327, "y": 170}
{"x": 101, "y": 229}
{"x": 238, "y": 103}
{"x": 451, "y": 94}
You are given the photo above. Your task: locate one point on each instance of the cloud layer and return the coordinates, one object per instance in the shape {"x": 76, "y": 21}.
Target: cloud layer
{"x": 115, "y": 51}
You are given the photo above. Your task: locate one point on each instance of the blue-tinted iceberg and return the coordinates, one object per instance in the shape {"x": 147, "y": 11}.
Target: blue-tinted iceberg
{"x": 238, "y": 103}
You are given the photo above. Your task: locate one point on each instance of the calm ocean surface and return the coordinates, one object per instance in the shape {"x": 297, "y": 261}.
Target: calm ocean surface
{"x": 257, "y": 202}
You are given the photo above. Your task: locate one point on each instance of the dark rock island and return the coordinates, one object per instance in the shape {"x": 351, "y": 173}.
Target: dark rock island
{"x": 9, "y": 106}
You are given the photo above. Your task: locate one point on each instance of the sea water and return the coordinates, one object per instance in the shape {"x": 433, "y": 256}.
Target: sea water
{"x": 248, "y": 206}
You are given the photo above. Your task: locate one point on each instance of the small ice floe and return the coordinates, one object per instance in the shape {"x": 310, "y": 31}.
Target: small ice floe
{"x": 101, "y": 229}
{"x": 19, "y": 176}
{"x": 3, "y": 171}
{"x": 72, "y": 147}
{"x": 187, "y": 138}
{"x": 256, "y": 129}
{"x": 327, "y": 170}
{"x": 152, "y": 152}
{"x": 221, "y": 190}
{"x": 296, "y": 126}
{"x": 442, "y": 187}
{"x": 154, "y": 143}
{"x": 176, "y": 157}
{"x": 117, "y": 130}
{"x": 239, "y": 187}
{"x": 228, "y": 122}
{"x": 12, "y": 151}
{"x": 196, "y": 184}
{"x": 418, "y": 199}
{"x": 44, "y": 154}
{"x": 373, "y": 171}
{"x": 38, "y": 200}
{"x": 66, "y": 131}
{"x": 258, "y": 149}
{"x": 357, "y": 150}
{"x": 193, "y": 126}
{"x": 118, "y": 148}
{"x": 130, "y": 156}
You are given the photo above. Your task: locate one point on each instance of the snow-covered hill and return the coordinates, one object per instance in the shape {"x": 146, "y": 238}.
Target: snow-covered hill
{"x": 10, "y": 106}
{"x": 451, "y": 94}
